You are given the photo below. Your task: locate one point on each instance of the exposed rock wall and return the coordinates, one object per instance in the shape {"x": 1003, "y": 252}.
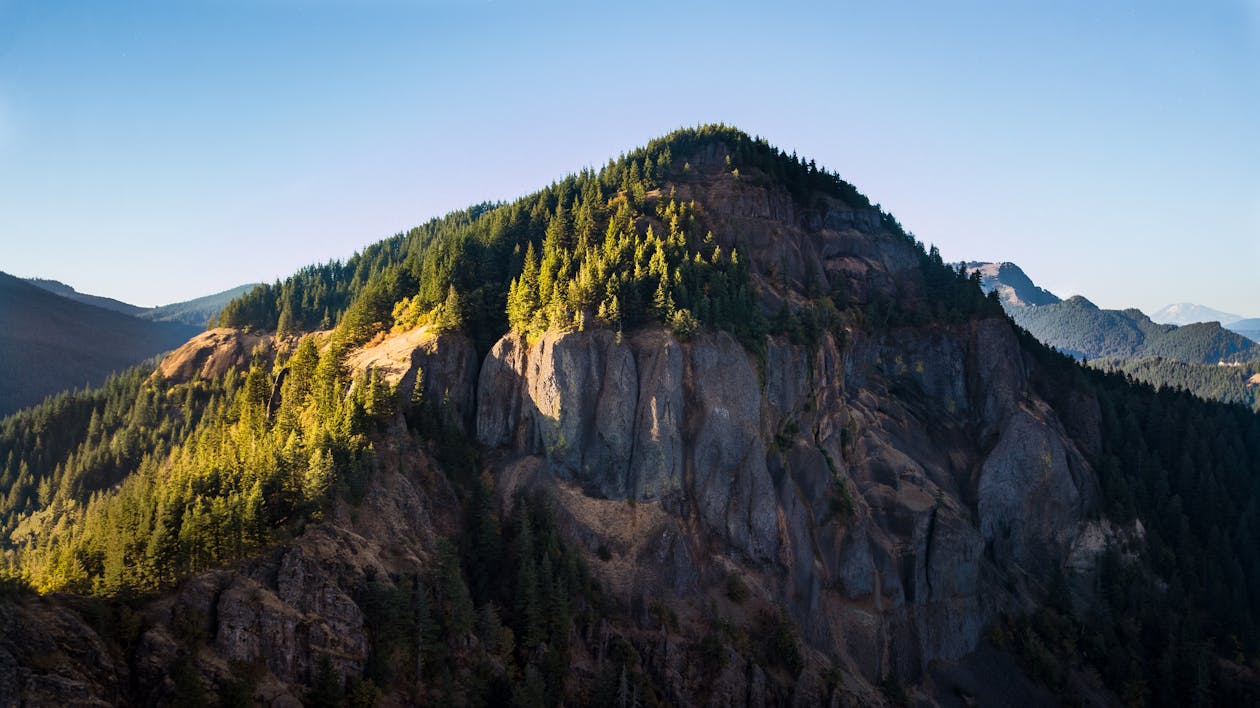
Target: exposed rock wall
{"x": 893, "y": 491}
{"x": 889, "y": 491}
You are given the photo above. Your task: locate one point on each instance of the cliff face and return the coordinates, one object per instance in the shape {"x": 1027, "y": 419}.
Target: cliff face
{"x": 887, "y": 491}
{"x": 895, "y": 491}
{"x": 892, "y": 490}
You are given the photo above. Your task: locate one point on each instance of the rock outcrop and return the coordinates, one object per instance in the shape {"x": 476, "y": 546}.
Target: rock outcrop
{"x": 427, "y": 367}
{"x": 49, "y": 656}
{"x": 214, "y": 352}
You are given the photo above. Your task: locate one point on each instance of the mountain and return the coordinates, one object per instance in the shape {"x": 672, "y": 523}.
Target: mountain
{"x": 1078, "y": 327}
{"x": 195, "y": 313}
{"x": 1013, "y": 286}
{"x": 50, "y": 343}
{"x": 109, "y": 303}
{"x": 1184, "y": 313}
{"x": 1081, "y": 329}
{"x": 703, "y": 427}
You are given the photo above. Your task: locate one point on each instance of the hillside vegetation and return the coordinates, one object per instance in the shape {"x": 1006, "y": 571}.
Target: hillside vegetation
{"x": 457, "y": 579}
{"x": 1078, "y": 327}
{"x": 1231, "y": 384}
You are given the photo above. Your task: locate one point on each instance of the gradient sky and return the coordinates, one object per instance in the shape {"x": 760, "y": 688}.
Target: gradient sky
{"x": 158, "y": 151}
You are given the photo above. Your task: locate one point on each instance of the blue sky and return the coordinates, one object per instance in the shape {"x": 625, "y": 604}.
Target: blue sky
{"x": 157, "y": 151}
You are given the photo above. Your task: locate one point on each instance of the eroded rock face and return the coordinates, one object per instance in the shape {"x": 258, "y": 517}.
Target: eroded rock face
{"x": 49, "y": 657}
{"x": 607, "y": 413}
{"x": 889, "y": 492}
{"x": 627, "y": 419}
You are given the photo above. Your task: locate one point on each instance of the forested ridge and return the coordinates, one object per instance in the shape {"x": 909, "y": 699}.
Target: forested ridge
{"x": 1078, "y": 327}
{"x": 599, "y": 248}
{"x": 1232, "y": 383}
{"x": 130, "y": 486}
{"x": 121, "y": 491}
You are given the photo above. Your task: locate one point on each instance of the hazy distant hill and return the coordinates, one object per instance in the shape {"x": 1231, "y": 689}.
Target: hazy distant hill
{"x": 196, "y": 312}
{"x": 1078, "y": 327}
{"x": 50, "y": 343}
{"x": 1249, "y": 328}
{"x": 109, "y": 303}
{"x": 1184, "y": 313}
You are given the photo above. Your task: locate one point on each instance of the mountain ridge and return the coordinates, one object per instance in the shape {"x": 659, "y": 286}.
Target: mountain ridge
{"x": 704, "y": 427}
{"x": 51, "y": 343}
{"x": 196, "y": 312}
{"x": 1081, "y": 329}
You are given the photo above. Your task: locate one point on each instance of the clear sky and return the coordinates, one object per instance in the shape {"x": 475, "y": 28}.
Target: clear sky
{"x": 158, "y": 151}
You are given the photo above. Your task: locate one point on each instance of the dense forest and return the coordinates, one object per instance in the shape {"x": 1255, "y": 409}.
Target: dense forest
{"x": 122, "y": 490}
{"x": 1178, "y": 622}
{"x": 125, "y": 489}
{"x": 1238, "y": 383}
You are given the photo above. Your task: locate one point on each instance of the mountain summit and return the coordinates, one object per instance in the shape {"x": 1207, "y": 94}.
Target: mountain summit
{"x": 1014, "y": 287}
{"x": 702, "y": 427}
{"x": 1184, "y": 313}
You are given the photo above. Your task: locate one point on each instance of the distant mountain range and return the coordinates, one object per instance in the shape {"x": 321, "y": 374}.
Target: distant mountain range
{"x": 54, "y": 338}
{"x": 1189, "y": 356}
{"x": 1078, "y": 327}
{"x": 195, "y": 312}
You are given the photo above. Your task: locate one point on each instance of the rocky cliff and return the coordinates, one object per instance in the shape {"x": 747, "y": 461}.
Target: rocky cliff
{"x": 890, "y": 490}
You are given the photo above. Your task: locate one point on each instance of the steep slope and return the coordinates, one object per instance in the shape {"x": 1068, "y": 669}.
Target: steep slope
{"x": 1184, "y": 313}
{"x": 50, "y": 343}
{"x": 703, "y": 428}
